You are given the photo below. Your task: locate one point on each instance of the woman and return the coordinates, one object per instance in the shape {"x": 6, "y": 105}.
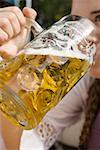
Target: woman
{"x": 69, "y": 110}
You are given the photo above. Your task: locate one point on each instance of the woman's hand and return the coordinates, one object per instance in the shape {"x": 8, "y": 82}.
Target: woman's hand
{"x": 11, "y": 21}
{"x": 12, "y": 29}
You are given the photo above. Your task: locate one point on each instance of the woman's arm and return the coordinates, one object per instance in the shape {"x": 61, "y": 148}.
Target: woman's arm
{"x": 10, "y": 133}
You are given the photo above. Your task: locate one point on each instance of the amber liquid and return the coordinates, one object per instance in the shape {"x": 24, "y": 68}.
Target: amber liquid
{"x": 52, "y": 81}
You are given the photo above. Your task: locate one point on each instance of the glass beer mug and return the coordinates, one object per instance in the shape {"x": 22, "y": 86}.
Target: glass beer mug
{"x": 45, "y": 70}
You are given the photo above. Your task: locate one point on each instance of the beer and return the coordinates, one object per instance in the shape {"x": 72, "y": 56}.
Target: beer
{"x": 39, "y": 87}
{"x": 45, "y": 70}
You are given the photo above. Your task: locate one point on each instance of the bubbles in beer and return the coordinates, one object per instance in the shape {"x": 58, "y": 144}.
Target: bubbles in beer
{"x": 29, "y": 78}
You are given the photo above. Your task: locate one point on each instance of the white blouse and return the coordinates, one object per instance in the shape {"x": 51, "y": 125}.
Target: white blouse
{"x": 66, "y": 113}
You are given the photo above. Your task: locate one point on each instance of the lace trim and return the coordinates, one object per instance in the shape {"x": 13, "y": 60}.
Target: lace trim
{"x": 47, "y": 133}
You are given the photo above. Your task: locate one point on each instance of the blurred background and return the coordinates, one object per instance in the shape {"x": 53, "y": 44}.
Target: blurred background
{"x": 49, "y": 11}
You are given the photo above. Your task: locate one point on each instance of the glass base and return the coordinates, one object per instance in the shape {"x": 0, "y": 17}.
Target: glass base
{"x": 15, "y": 109}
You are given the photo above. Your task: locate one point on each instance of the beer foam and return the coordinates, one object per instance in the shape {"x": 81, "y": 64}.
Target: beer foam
{"x": 67, "y": 39}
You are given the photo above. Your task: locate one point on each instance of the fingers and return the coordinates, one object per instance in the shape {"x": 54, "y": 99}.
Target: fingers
{"x": 13, "y": 32}
{"x": 6, "y": 26}
{"x": 8, "y": 49}
{"x": 11, "y": 22}
{"x": 15, "y": 10}
{"x": 14, "y": 23}
{"x": 29, "y": 12}
{"x": 3, "y": 36}
{"x": 11, "y": 47}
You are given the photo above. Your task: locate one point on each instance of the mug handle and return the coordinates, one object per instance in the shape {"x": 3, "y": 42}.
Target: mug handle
{"x": 32, "y": 25}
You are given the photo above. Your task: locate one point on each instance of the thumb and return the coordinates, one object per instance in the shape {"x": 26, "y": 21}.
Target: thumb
{"x": 29, "y": 12}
